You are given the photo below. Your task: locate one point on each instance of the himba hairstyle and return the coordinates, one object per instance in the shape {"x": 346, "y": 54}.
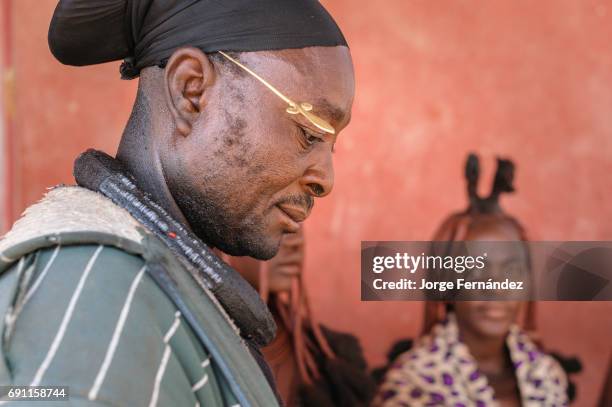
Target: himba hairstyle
{"x": 330, "y": 364}
{"x": 298, "y": 319}
{"x": 457, "y": 226}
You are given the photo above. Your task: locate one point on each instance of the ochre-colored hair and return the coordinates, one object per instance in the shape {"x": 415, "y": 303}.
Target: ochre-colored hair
{"x": 457, "y": 226}
{"x": 298, "y": 319}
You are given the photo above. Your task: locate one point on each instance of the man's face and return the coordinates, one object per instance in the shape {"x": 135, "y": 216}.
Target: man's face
{"x": 249, "y": 171}
{"x": 283, "y": 268}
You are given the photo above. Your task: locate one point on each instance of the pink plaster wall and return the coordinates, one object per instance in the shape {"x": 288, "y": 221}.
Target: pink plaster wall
{"x": 529, "y": 80}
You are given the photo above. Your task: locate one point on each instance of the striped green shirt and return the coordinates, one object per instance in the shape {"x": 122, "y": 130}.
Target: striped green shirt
{"x": 89, "y": 317}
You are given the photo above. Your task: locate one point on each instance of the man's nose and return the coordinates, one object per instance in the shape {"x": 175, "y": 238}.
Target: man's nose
{"x": 318, "y": 179}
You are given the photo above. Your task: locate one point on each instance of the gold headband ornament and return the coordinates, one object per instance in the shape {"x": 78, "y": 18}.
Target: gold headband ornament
{"x": 303, "y": 108}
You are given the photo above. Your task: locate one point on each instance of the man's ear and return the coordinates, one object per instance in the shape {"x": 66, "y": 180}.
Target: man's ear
{"x": 188, "y": 74}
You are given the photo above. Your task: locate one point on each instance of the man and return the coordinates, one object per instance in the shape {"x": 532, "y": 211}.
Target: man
{"x": 110, "y": 287}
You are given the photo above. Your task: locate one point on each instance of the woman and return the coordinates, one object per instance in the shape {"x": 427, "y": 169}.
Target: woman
{"x": 312, "y": 365}
{"x": 474, "y": 353}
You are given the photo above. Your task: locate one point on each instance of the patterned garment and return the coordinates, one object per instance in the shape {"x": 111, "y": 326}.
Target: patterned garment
{"x": 440, "y": 371}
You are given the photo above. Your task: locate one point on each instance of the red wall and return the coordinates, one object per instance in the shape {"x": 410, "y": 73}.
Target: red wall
{"x": 529, "y": 80}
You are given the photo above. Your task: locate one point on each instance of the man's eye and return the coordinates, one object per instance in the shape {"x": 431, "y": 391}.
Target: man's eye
{"x": 310, "y": 138}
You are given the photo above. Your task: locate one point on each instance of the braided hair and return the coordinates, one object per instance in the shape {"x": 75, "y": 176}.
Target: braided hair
{"x": 456, "y": 226}
{"x": 480, "y": 210}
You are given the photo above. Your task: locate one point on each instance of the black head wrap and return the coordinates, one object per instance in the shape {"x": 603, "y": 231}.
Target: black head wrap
{"x": 146, "y": 32}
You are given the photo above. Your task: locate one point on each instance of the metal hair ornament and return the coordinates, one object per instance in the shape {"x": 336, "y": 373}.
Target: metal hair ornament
{"x": 303, "y": 108}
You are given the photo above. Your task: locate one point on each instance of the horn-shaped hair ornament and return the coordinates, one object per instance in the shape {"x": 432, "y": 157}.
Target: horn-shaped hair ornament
{"x": 303, "y": 108}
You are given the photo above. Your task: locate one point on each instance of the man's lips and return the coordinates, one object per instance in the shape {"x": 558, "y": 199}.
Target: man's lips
{"x": 296, "y": 214}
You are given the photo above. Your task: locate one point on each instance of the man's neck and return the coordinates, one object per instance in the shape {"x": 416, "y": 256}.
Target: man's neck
{"x": 146, "y": 168}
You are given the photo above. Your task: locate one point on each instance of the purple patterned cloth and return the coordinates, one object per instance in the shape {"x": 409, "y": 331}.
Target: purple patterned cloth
{"x": 440, "y": 371}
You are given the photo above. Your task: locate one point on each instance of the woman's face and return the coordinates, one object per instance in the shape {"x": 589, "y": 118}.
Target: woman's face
{"x": 487, "y": 319}
{"x": 493, "y": 319}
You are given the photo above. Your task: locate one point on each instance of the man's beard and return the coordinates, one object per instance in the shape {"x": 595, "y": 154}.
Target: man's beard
{"x": 211, "y": 219}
